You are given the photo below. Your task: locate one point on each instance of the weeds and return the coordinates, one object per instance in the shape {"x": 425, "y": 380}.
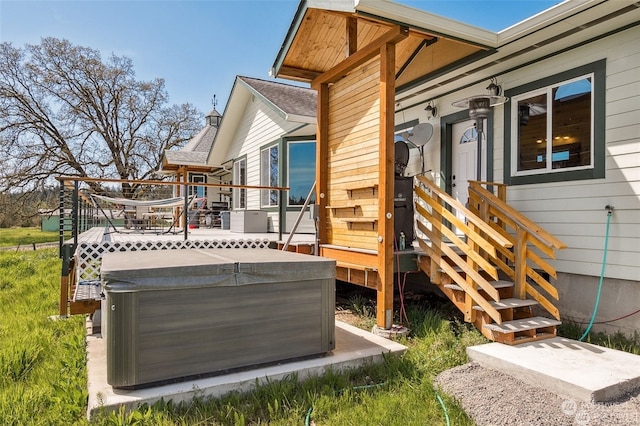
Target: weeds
{"x": 43, "y": 375}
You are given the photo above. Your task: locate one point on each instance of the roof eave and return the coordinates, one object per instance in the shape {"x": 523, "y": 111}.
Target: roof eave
{"x": 425, "y": 21}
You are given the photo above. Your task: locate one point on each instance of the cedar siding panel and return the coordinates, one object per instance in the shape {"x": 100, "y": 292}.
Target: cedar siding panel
{"x": 353, "y": 157}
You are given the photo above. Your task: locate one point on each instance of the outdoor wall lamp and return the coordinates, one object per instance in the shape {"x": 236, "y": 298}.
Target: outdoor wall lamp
{"x": 479, "y": 107}
{"x": 432, "y": 111}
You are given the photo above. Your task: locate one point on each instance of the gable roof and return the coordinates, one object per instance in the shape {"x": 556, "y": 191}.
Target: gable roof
{"x": 294, "y": 103}
{"x": 196, "y": 151}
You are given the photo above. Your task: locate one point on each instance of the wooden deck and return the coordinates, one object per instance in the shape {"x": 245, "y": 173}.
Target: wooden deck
{"x": 78, "y": 292}
{"x": 102, "y": 234}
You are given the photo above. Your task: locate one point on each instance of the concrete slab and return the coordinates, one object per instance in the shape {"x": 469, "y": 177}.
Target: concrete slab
{"x": 569, "y": 368}
{"x": 354, "y": 348}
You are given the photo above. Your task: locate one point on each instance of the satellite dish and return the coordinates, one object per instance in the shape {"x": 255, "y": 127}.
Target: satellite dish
{"x": 401, "y": 157}
{"x": 421, "y": 134}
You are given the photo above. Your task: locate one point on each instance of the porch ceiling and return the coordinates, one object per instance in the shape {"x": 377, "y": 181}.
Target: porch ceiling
{"x": 322, "y": 39}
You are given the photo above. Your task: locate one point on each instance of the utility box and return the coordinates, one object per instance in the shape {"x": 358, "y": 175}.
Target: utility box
{"x": 248, "y": 221}
{"x": 170, "y": 315}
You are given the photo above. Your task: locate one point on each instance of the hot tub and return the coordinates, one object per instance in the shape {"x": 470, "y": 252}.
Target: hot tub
{"x": 179, "y": 314}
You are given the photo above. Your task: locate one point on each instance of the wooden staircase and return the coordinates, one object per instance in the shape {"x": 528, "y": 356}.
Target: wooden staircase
{"x": 489, "y": 260}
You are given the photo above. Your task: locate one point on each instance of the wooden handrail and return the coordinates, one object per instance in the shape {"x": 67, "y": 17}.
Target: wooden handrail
{"x": 471, "y": 217}
{"x": 478, "y": 249}
{"x": 522, "y": 221}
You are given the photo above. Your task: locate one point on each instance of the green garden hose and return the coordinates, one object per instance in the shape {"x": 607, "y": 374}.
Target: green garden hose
{"x": 604, "y": 263}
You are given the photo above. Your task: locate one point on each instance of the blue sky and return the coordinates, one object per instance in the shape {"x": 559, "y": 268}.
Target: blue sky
{"x": 199, "y": 47}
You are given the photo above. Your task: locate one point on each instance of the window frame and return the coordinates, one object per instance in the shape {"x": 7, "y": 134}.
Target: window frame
{"x": 270, "y": 198}
{"x": 194, "y": 188}
{"x": 239, "y": 195}
{"x": 288, "y": 162}
{"x": 596, "y": 169}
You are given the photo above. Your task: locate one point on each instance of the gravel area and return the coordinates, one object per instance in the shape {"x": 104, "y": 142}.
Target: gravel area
{"x": 492, "y": 398}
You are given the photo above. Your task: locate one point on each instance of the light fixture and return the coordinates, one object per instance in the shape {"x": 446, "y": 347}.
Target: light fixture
{"x": 479, "y": 107}
{"x": 432, "y": 112}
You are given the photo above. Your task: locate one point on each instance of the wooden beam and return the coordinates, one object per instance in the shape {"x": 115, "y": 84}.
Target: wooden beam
{"x": 384, "y": 315}
{"x": 352, "y": 36}
{"x": 356, "y": 257}
{"x": 298, "y": 74}
{"x": 361, "y": 56}
{"x": 322, "y": 150}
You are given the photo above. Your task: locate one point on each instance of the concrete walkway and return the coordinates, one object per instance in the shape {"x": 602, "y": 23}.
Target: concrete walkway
{"x": 354, "y": 348}
{"x": 566, "y": 367}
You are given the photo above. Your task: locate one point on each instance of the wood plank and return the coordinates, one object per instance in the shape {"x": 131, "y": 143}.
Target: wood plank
{"x": 459, "y": 262}
{"x": 451, "y": 272}
{"x": 543, "y": 301}
{"x": 510, "y": 303}
{"x": 470, "y": 217}
{"x": 455, "y": 221}
{"x": 350, "y": 255}
{"x": 522, "y": 325}
{"x": 464, "y": 247}
{"x": 394, "y": 35}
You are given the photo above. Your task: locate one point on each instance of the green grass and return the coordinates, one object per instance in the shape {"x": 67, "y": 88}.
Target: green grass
{"x": 617, "y": 341}
{"x": 42, "y": 363}
{"x": 43, "y": 368}
{"x": 25, "y": 236}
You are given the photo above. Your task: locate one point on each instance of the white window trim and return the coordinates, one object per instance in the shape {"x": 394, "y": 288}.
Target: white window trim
{"x": 515, "y": 125}
{"x": 267, "y": 191}
{"x": 237, "y": 199}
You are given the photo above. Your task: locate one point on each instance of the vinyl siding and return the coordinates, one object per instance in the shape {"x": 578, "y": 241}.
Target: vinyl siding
{"x": 574, "y": 211}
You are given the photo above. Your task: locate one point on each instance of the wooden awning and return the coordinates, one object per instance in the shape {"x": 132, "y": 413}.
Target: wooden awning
{"x": 320, "y": 39}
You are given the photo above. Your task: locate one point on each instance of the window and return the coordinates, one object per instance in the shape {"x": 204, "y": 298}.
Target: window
{"x": 302, "y": 171}
{"x": 200, "y": 191}
{"x": 556, "y": 128}
{"x": 269, "y": 175}
{"x": 469, "y": 135}
{"x": 240, "y": 178}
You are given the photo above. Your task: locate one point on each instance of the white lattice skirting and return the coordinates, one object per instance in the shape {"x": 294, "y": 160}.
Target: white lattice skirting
{"x": 89, "y": 255}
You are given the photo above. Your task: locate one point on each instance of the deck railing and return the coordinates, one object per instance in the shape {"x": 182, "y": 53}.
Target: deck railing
{"x": 459, "y": 241}
{"x": 525, "y": 263}
{"x": 79, "y": 213}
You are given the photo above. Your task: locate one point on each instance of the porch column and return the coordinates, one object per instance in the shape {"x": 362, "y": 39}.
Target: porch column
{"x": 384, "y": 314}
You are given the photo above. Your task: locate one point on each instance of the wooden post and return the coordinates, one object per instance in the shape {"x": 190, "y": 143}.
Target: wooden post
{"x": 469, "y": 312}
{"x": 436, "y": 241}
{"x": 351, "y": 36}
{"x": 322, "y": 148}
{"x": 384, "y": 303}
{"x": 520, "y": 255}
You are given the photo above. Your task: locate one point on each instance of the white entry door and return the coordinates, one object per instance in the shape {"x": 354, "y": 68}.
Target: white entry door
{"x": 464, "y": 150}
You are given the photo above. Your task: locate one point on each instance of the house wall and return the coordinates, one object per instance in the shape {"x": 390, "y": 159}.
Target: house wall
{"x": 574, "y": 211}
{"x": 261, "y": 125}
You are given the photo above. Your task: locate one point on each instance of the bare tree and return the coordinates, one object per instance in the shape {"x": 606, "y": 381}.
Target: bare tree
{"x": 65, "y": 111}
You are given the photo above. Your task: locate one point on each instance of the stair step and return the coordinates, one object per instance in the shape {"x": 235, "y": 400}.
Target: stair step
{"x": 522, "y": 325}
{"x": 496, "y": 284}
{"x": 509, "y": 303}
